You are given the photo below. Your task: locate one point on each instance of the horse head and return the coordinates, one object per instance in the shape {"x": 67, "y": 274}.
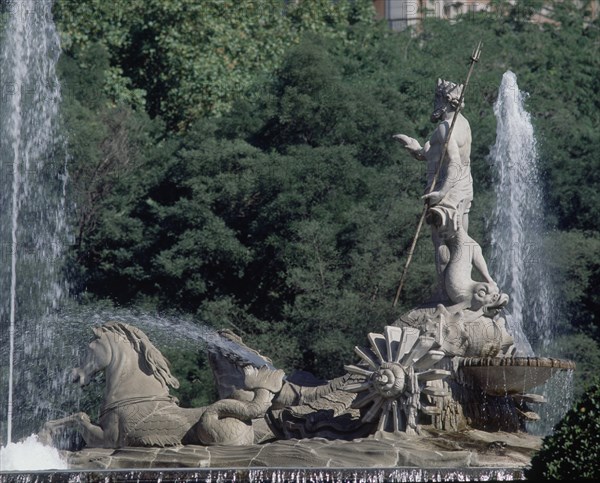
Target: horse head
{"x": 98, "y": 356}
{"x": 116, "y": 344}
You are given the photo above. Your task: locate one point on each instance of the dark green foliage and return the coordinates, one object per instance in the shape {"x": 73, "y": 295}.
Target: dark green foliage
{"x": 184, "y": 59}
{"x": 106, "y": 143}
{"x": 574, "y": 257}
{"x": 572, "y": 451}
{"x": 304, "y": 237}
{"x": 196, "y": 383}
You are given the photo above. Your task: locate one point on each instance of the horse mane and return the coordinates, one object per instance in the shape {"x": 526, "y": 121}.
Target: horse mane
{"x": 155, "y": 362}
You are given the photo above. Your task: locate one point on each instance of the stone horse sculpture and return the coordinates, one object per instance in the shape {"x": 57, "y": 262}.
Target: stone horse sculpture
{"x": 137, "y": 409}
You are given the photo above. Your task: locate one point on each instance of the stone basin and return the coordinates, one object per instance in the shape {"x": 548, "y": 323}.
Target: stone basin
{"x": 501, "y": 376}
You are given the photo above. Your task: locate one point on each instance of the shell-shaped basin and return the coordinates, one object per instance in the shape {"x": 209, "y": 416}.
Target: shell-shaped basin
{"x": 501, "y": 376}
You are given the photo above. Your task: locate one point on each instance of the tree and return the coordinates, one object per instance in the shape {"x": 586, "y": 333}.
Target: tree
{"x": 572, "y": 450}
{"x": 187, "y": 59}
{"x": 105, "y": 143}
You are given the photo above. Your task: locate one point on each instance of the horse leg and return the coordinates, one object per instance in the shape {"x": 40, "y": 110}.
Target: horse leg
{"x": 92, "y": 434}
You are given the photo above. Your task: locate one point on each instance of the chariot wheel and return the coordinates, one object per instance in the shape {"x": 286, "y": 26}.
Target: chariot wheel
{"x": 396, "y": 370}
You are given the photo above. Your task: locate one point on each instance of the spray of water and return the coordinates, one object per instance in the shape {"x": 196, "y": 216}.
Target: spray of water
{"x": 18, "y": 456}
{"x": 165, "y": 331}
{"x": 517, "y": 233}
{"x": 516, "y": 226}
{"x": 32, "y": 223}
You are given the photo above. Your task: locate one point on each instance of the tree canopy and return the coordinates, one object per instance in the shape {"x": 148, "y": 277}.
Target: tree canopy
{"x": 185, "y": 59}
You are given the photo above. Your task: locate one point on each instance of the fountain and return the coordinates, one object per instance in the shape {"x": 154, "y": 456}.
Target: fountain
{"x": 33, "y": 222}
{"x": 517, "y": 234}
{"x": 516, "y": 224}
{"x": 17, "y": 456}
{"x": 444, "y": 389}
{"x": 443, "y": 392}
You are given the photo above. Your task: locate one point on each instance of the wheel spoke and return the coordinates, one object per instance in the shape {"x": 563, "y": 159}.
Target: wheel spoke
{"x": 393, "y": 336}
{"x": 357, "y": 387}
{"x": 368, "y": 356}
{"x": 428, "y": 360}
{"x": 364, "y": 399}
{"x": 385, "y": 415}
{"x": 379, "y": 346}
{"x": 373, "y": 411}
{"x": 359, "y": 370}
{"x": 418, "y": 350}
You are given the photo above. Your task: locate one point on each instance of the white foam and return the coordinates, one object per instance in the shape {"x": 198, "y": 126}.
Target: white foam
{"x": 30, "y": 454}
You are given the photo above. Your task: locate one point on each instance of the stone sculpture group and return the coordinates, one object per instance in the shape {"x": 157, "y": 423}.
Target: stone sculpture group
{"x": 422, "y": 371}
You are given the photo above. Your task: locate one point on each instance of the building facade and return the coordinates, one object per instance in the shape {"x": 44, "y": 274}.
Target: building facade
{"x": 402, "y": 14}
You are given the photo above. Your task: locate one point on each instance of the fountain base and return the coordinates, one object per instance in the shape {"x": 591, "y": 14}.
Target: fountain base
{"x": 259, "y": 475}
{"x": 431, "y": 449}
{"x": 502, "y": 376}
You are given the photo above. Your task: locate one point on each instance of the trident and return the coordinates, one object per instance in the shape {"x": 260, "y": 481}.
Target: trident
{"x": 474, "y": 59}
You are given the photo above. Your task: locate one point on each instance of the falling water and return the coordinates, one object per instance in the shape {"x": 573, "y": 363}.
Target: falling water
{"x": 517, "y": 223}
{"x": 32, "y": 219}
{"x": 517, "y": 233}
